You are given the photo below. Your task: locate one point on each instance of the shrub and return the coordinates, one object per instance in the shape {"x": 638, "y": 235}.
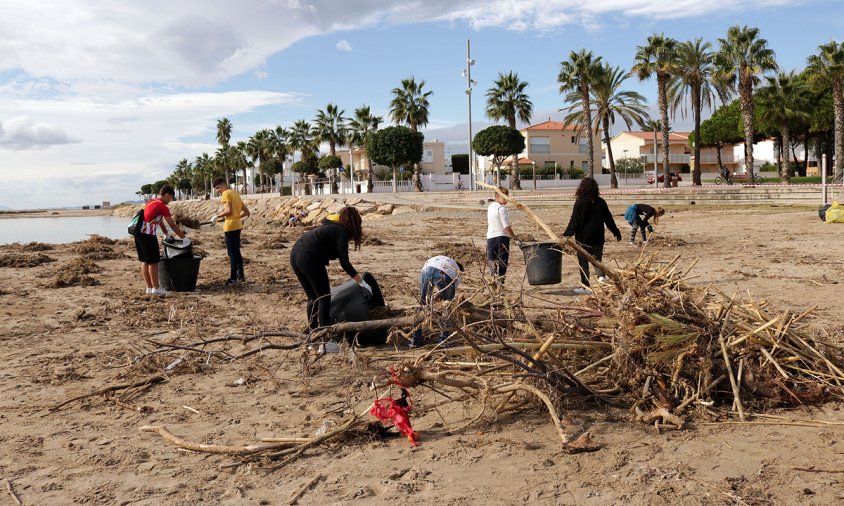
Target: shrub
{"x": 575, "y": 172}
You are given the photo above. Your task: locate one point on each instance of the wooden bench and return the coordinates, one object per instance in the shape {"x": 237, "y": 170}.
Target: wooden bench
{"x": 739, "y": 178}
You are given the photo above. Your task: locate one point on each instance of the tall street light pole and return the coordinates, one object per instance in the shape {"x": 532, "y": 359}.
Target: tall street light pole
{"x": 469, "y": 83}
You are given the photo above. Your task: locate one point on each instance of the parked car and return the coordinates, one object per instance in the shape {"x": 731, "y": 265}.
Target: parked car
{"x": 661, "y": 177}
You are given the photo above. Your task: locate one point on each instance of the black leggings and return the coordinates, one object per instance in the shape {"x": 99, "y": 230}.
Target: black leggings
{"x": 597, "y": 251}
{"x": 314, "y": 280}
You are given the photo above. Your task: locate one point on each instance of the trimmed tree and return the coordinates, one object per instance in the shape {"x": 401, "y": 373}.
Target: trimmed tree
{"x": 722, "y": 129}
{"x": 395, "y": 146}
{"x": 499, "y": 142}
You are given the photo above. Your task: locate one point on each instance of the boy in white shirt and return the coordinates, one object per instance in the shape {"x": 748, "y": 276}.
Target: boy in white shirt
{"x": 498, "y": 235}
{"x": 438, "y": 281}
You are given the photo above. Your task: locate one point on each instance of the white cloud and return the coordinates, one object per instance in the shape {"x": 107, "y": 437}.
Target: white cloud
{"x": 199, "y": 43}
{"x": 344, "y": 45}
{"x": 23, "y": 133}
{"x": 130, "y": 139}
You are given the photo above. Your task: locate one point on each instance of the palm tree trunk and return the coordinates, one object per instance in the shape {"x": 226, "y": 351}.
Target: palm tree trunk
{"x": 605, "y": 122}
{"x": 838, "y": 113}
{"x": 663, "y": 116}
{"x": 369, "y": 184}
{"x": 417, "y": 178}
{"x": 785, "y": 173}
{"x": 587, "y": 127}
{"x": 746, "y": 102}
{"x": 696, "y": 111}
{"x": 516, "y": 180}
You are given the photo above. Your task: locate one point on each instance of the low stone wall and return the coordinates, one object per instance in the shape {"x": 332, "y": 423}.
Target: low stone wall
{"x": 275, "y": 211}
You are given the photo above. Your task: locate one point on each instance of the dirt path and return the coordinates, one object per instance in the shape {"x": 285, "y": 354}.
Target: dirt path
{"x": 62, "y": 342}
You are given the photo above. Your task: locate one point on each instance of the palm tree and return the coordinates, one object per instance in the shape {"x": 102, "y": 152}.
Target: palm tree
{"x": 610, "y": 101}
{"x": 694, "y": 82}
{"x": 363, "y": 124}
{"x": 742, "y": 57}
{"x": 507, "y": 100}
{"x": 330, "y": 127}
{"x": 578, "y": 74}
{"x": 653, "y": 125}
{"x": 410, "y": 106}
{"x": 781, "y": 103}
{"x": 279, "y": 147}
{"x": 182, "y": 172}
{"x": 658, "y": 57}
{"x": 203, "y": 165}
{"x": 827, "y": 67}
{"x": 224, "y": 135}
{"x": 240, "y": 161}
{"x": 301, "y": 139}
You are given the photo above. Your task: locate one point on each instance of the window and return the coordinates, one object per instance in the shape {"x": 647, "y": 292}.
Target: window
{"x": 572, "y": 139}
{"x": 540, "y": 145}
{"x": 582, "y": 147}
{"x": 584, "y": 165}
{"x": 428, "y": 156}
{"x": 571, "y": 163}
{"x": 550, "y": 164}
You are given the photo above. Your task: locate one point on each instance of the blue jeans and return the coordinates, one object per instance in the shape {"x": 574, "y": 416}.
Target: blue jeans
{"x": 432, "y": 282}
{"x": 233, "y": 250}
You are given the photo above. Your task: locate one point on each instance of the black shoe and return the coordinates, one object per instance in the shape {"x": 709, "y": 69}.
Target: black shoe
{"x": 232, "y": 281}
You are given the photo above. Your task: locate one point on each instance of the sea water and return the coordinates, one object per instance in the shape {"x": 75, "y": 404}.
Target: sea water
{"x": 61, "y": 229}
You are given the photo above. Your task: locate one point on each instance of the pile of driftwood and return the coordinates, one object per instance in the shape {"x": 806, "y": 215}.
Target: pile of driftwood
{"x": 646, "y": 341}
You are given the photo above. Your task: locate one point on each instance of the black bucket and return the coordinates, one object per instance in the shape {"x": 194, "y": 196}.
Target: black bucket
{"x": 544, "y": 262}
{"x": 179, "y": 274}
{"x": 822, "y": 211}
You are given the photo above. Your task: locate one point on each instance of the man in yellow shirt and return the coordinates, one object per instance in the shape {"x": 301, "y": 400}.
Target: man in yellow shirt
{"x": 233, "y": 211}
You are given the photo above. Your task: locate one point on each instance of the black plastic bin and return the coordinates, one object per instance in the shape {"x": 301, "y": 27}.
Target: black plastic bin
{"x": 179, "y": 274}
{"x": 544, "y": 262}
{"x": 179, "y": 268}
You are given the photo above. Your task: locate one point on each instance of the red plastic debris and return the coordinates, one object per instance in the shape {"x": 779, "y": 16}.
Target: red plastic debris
{"x": 396, "y": 411}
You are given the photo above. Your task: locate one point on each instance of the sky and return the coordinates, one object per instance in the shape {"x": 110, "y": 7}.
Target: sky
{"x": 99, "y": 97}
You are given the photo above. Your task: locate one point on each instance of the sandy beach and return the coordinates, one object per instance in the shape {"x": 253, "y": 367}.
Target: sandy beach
{"x": 65, "y": 335}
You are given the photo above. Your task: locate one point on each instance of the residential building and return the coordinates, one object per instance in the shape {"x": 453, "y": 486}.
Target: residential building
{"x": 552, "y": 143}
{"x": 433, "y": 158}
{"x": 637, "y": 144}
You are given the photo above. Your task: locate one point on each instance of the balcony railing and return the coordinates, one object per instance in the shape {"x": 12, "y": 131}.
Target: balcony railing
{"x": 671, "y": 158}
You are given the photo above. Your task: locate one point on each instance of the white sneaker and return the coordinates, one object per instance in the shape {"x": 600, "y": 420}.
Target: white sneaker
{"x": 582, "y": 291}
{"x": 150, "y": 291}
{"x": 631, "y": 244}
{"x": 160, "y": 292}
{"x": 644, "y": 243}
{"x": 602, "y": 280}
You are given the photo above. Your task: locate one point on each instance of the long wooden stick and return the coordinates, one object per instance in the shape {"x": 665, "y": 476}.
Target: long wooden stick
{"x": 12, "y": 492}
{"x": 733, "y": 383}
{"x": 210, "y": 448}
{"x": 298, "y": 495}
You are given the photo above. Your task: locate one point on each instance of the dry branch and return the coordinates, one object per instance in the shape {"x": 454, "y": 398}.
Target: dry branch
{"x": 211, "y": 448}
{"x": 149, "y": 381}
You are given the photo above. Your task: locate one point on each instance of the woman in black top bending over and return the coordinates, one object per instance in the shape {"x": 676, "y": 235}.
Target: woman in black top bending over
{"x": 310, "y": 256}
{"x": 588, "y": 217}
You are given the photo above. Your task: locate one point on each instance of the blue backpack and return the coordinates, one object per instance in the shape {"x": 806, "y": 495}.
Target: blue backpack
{"x": 630, "y": 214}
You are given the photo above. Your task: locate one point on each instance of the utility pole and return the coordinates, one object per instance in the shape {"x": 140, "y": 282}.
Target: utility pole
{"x": 469, "y": 83}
